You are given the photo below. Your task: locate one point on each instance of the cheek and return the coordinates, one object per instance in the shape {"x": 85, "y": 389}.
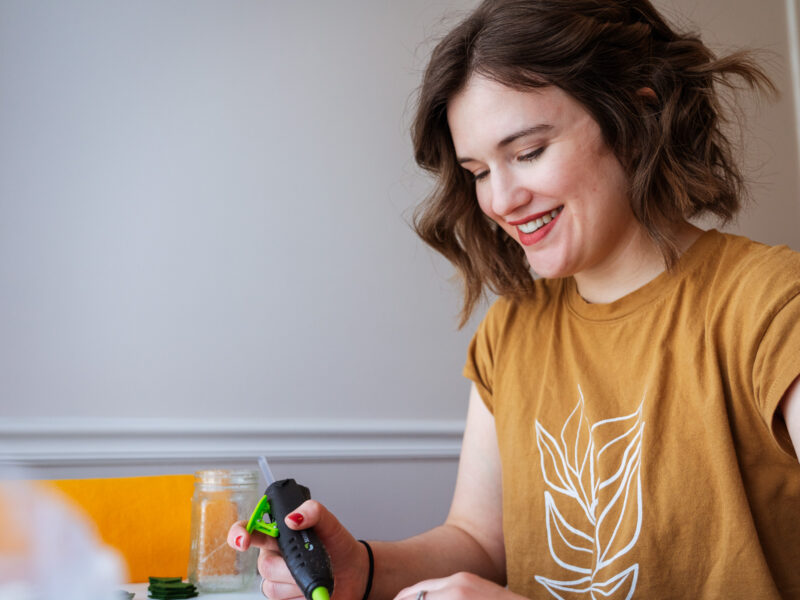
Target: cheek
{"x": 560, "y": 175}
{"x": 612, "y": 190}
{"x": 484, "y": 202}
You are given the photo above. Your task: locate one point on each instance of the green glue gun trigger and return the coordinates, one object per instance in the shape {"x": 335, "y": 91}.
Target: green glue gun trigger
{"x": 306, "y": 557}
{"x": 257, "y": 522}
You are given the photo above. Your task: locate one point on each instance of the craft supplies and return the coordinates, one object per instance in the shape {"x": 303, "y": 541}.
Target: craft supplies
{"x": 170, "y": 588}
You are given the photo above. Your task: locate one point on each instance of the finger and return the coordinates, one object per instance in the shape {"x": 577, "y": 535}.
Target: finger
{"x": 277, "y": 582}
{"x": 428, "y": 594}
{"x": 240, "y": 539}
{"x": 313, "y": 514}
{"x": 409, "y": 594}
{"x": 429, "y": 586}
{"x": 272, "y": 566}
{"x": 306, "y": 515}
{"x": 280, "y": 591}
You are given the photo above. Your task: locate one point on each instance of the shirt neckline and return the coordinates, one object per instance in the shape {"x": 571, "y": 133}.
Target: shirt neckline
{"x": 694, "y": 257}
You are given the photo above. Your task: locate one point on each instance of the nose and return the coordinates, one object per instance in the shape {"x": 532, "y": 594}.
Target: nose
{"x": 508, "y": 193}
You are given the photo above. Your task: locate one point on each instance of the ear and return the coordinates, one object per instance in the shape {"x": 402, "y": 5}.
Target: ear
{"x": 647, "y": 94}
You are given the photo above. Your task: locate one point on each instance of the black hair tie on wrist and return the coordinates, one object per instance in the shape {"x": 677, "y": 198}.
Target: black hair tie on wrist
{"x": 371, "y": 569}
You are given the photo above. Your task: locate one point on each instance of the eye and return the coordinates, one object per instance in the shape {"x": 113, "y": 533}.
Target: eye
{"x": 533, "y": 155}
{"x": 479, "y": 176}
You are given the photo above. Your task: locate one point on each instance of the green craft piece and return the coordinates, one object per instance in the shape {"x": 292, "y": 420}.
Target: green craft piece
{"x": 170, "y": 588}
{"x": 257, "y": 522}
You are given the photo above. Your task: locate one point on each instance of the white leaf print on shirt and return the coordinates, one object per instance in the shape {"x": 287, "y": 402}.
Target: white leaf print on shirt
{"x": 598, "y": 469}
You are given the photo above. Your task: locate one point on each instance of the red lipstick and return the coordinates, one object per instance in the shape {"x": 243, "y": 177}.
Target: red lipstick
{"x": 529, "y": 239}
{"x": 530, "y": 218}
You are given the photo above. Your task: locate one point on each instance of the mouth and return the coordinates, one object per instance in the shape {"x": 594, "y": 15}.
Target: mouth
{"x": 532, "y": 224}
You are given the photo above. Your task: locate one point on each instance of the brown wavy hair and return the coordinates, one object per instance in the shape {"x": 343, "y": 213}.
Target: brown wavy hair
{"x": 603, "y": 53}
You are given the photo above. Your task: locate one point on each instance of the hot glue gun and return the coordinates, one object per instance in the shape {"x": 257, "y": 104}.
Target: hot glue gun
{"x": 306, "y": 557}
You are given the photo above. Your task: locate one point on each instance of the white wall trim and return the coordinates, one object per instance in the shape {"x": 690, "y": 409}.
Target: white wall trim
{"x": 43, "y": 442}
{"x": 793, "y": 24}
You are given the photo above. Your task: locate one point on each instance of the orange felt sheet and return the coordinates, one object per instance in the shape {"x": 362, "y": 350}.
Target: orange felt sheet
{"x": 146, "y": 519}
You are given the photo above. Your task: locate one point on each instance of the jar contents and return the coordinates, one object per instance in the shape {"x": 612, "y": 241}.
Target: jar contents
{"x": 220, "y": 499}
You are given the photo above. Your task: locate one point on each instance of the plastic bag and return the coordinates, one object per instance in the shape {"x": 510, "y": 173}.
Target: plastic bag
{"x": 48, "y": 550}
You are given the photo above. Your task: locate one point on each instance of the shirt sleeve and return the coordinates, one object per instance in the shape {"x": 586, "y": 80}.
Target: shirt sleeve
{"x": 776, "y": 366}
{"x": 482, "y": 352}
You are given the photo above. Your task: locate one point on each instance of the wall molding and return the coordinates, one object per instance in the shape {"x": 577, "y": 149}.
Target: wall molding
{"x": 59, "y": 442}
{"x": 793, "y": 25}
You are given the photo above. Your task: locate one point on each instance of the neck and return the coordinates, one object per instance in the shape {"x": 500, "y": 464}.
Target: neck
{"x": 637, "y": 262}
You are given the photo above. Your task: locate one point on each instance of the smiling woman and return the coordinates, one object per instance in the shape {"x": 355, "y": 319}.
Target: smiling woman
{"x": 651, "y": 91}
{"x": 559, "y": 169}
{"x": 628, "y": 432}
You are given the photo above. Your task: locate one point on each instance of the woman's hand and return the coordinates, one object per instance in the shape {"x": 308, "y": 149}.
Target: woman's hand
{"x": 348, "y": 556}
{"x": 461, "y": 586}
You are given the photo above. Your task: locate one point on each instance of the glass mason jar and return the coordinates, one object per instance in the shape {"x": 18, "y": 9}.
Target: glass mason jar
{"x": 220, "y": 499}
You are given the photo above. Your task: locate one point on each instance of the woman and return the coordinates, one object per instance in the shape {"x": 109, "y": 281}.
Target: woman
{"x": 633, "y": 421}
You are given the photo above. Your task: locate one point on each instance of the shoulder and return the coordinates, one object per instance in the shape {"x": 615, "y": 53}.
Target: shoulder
{"x": 750, "y": 253}
{"x": 747, "y": 286}
{"x": 756, "y": 273}
{"x": 509, "y": 319}
{"x": 546, "y": 295}
{"x": 507, "y": 327}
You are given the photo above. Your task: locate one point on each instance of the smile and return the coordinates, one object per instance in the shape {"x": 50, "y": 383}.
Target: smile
{"x": 535, "y": 224}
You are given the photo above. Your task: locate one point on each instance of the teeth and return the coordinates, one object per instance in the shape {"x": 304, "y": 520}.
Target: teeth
{"x": 535, "y": 224}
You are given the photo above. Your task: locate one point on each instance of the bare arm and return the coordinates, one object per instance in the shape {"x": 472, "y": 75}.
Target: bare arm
{"x": 790, "y": 405}
{"x": 471, "y": 539}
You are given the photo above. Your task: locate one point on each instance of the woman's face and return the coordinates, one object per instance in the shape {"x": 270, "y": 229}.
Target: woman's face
{"x": 545, "y": 175}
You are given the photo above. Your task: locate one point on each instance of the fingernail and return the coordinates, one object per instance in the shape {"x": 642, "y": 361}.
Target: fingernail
{"x": 296, "y": 518}
{"x": 239, "y": 541}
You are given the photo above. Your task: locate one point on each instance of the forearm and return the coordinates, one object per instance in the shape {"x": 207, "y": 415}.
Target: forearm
{"x": 440, "y": 552}
{"x": 790, "y": 406}
{"x": 471, "y": 539}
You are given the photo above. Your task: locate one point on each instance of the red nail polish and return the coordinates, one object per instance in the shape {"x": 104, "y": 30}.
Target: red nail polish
{"x": 239, "y": 541}
{"x": 296, "y": 518}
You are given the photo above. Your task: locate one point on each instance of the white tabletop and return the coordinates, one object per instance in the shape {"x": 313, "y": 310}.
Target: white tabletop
{"x": 140, "y": 589}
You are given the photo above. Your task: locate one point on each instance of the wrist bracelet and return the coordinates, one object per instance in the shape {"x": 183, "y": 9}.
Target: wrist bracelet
{"x": 371, "y": 571}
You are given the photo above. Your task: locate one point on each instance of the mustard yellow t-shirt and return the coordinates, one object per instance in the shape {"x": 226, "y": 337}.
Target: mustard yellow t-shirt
{"x": 643, "y": 454}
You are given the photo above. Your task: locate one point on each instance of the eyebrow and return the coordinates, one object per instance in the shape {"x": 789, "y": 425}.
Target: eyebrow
{"x": 514, "y": 137}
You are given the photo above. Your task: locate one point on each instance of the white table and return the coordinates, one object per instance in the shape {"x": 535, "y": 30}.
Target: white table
{"x": 140, "y": 589}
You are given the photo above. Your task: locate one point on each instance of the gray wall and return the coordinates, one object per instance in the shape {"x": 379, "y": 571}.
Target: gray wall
{"x": 769, "y": 141}
{"x": 204, "y": 206}
{"x": 204, "y": 210}
{"x": 204, "y": 243}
